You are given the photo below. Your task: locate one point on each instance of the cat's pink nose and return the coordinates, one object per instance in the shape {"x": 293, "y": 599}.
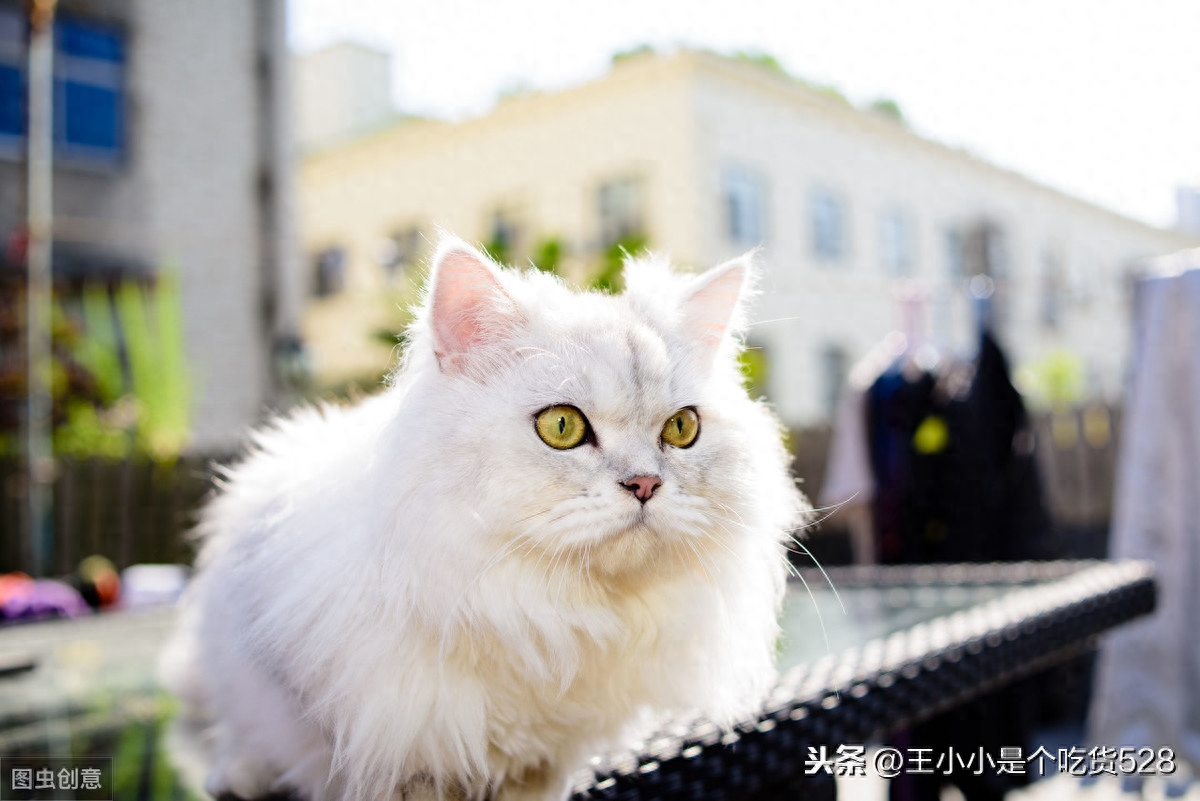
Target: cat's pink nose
{"x": 642, "y": 487}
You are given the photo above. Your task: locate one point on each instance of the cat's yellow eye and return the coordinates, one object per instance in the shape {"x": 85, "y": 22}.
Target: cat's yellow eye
{"x": 561, "y": 427}
{"x": 682, "y": 429}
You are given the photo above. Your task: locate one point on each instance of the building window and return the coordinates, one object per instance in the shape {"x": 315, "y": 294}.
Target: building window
{"x": 1053, "y": 289}
{"x": 89, "y": 88}
{"x": 13, "y": 59}
{"x": 955, "y": 253}
{"x": 896, "y": 242}
{"x": 834, "y": 365}
{"x": 401, "y": 250}
{"x": 330, "y": 268}
{"x": 621, "y": 208}
{"x": 828, "y": 236}
{"x": 742, "y": 198}
{"x": 503, "y": 237}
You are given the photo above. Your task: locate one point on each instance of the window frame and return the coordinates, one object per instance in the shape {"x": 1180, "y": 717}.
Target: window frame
{"x": 736, "y": 177}
{"x": 897, "y": 242}
{"x": 82, "y": 83}
{"x": 822, "y": 197}
{"x": 621, "y": 209}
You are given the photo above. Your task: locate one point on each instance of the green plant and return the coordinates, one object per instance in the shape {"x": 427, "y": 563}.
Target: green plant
{"x": 886, "y": 107}
{"x": 1056, "y": 380}
{"x": 753, "y": 363}
{"x": 547, "y": 255}
{"x": 612, "y": 263}
{"x": 497, "y": 249}
{"x": 633, "y": 52}
{"x": 153, "y": 328}
{"x": 146, "y": 407}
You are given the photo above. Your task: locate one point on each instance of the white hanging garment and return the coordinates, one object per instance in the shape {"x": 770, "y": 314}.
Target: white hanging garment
{"x": 1148, "y": 685}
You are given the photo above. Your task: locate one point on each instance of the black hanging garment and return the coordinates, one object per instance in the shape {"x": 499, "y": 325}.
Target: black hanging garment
{"x": 957, "y": 481}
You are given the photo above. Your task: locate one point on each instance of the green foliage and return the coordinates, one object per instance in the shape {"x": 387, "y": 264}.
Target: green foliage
{"x": 515, "y": 89}
{"x": 753, "y": 362}
{"x": 98, "y": 351}
{"x": 769, "y": 62}
{"x": 1055, "y": 380}
{"x": 153, "y": 328}
{"x": 633, "y": 52}
{"x": 760, "y": 59}
{"x": 832, "y": 92}
{"x": 498, "y": 250}
{"x": 886, "y": 107}
{"x": 548, "y": 254}
{"x": 608, "y": 277}
{"x": 89, "y": 432}
{"x": 145, "y": 408}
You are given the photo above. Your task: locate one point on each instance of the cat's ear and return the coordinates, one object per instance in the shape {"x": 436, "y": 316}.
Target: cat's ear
{"x": 714, "y": 305}
{"x": 469, "y": 307}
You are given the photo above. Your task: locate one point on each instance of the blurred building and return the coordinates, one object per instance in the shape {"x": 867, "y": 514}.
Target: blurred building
{"x": 172, "y": 131}
{"x": 866, "y": 227}
{"x": 1187, "y": 205}
{"x": 341, "y": 91}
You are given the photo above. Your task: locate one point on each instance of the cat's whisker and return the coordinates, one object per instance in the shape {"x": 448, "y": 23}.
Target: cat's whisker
{"x": 553, "y": 570}
{"x": 566, "y": 381}
{"x": 726, "y": 507}
{"x": 775, "y": 320}
{"x": 820, "y": 619}
{"x": 816, "y": 562}
{"x": 700, "y": 560}
{"x": 535, "y": 514}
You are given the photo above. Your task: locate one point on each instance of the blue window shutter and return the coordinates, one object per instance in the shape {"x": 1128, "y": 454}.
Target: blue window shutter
{"x": 89, "y": 91}
{"x": 12, "y": 101}
{"x": 91, "y": 117}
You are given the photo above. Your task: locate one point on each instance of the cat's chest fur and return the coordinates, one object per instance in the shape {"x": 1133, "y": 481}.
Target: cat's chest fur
{"x": 549, "y": 711}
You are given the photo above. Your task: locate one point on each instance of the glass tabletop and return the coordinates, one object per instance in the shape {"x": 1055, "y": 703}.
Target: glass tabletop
{"x": 818, "y": 622}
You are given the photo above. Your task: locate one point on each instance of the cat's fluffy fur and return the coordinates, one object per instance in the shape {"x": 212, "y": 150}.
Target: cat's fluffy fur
{"x": 416, "y": 596}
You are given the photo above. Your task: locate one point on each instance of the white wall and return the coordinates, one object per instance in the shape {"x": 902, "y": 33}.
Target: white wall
{"x": 341, "y": 90}
{"x": 681, "y": 122}
{"x": 194, "y": 161}
{"x": 799, "y": 143}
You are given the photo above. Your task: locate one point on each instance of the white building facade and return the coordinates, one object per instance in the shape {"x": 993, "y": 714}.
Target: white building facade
{"x": 705, "y": 157}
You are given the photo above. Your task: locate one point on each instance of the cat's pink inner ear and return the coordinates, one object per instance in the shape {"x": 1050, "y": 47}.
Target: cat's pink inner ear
{"x": 713, "y": 307}
{"x": 470, "y": 308}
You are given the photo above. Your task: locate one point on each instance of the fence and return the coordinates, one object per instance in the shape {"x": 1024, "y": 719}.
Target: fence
{"x": 135, "y": 511}
{"x": 130, "y": 511}
{"x": 1077, "y": 460}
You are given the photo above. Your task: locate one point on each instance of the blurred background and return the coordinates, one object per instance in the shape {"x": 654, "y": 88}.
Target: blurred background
{"x": 244, "y": 195}
{"x": 212, "y": 211}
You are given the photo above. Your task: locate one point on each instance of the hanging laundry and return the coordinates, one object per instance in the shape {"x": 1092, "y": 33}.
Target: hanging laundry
{"x": 1148, "y": 685}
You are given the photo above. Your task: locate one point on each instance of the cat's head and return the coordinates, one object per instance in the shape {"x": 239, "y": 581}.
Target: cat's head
{"x": 608, "y": 429}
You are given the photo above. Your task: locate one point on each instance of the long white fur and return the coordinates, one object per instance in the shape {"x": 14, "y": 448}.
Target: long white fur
{"x": 415, "y": 596}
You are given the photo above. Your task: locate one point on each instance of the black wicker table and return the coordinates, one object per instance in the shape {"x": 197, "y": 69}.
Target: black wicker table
{"x": 919, "y": 640}
{"x": 896, "y": 645}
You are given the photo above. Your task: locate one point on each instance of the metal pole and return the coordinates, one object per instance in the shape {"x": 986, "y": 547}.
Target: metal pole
{"x": 38, "y": 445}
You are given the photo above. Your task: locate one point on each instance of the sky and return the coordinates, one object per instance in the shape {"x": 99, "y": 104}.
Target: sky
{"x": 1099, "y": 99}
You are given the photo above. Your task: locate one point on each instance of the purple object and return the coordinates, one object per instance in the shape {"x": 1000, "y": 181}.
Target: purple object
{"x": 43, "y": 598}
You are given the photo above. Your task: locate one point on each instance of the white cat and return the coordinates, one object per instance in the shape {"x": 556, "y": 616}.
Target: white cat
{"x": 563, "y": 512}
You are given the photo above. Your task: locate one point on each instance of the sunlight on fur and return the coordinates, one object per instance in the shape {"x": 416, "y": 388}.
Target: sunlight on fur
{"x": 435, "y": 594}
